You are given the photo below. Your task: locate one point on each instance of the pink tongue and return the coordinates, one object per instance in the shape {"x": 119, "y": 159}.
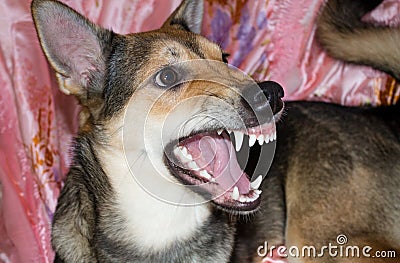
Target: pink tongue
{"x": 217, "y": 156}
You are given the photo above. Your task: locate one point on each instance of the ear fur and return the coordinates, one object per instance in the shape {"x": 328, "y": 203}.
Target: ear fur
{"x": 188, "y": 15}
{"x": 75, "y": 47}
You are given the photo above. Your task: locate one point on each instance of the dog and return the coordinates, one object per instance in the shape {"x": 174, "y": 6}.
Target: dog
{"x": 336, "y": 169}
{"x": 128, "y": 85}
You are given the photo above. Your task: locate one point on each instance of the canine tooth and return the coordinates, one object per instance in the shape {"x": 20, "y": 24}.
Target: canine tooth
{"x": 256, "y": 183}
{"x": 235, "y": 193}
{"x": 205, "y": 174}
{"x": 229, "y": 131}
{"x": 193, "y": 165}
{"x": 274, "y": 136}
{"x": 252, "y": 139}
{"x": 242, "y": 199}
{"x": 220, "y": 132}
{"x": 260, "y": 139}
{"x": 239, "y": 139}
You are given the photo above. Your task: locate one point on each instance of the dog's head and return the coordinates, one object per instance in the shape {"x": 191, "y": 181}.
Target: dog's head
{"x": 166, "y": 99}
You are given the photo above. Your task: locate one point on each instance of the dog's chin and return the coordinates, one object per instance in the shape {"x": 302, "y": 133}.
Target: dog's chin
{"x": 207, "y": 163}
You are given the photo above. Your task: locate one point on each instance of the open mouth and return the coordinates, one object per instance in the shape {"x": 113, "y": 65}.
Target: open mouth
{"x": 208, "y": 162}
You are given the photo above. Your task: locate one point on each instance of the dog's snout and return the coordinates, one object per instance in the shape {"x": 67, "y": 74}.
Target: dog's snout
{"x": 267, "y": 94}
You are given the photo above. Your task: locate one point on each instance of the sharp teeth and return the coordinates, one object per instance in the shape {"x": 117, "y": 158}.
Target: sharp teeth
{"x": 220, "y": 132}
{"x": 252, "y": 139}
{"x": 235, "y": 193}
{"x": 266, "y": 139}
{"x": 238, "y": 139}
{"x": 256, "y": 183}
{"x": 242, "y": 199}
{"x": 274, "y": 136}
{"x": 260, "y": 139}
{"x": 206, "y": 175}
{"x": 229, "y": 131}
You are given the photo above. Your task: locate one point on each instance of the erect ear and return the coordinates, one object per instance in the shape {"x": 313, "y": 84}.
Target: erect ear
{"x": 75, "y": 47}
{"x": 188, "y": 15}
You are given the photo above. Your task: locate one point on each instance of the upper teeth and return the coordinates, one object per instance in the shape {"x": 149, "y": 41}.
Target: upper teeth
{"x": 252, "y": 139}
{"x": 261, "y": 138}
{"x": 238, "y": 139}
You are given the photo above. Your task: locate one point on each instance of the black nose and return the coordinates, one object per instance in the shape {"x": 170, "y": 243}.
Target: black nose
{"x": 271, "y": 91}
{"x": 268, "y": 95}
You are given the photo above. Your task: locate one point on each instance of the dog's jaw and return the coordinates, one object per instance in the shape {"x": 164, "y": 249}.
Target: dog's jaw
{"x": 208, "y": 163}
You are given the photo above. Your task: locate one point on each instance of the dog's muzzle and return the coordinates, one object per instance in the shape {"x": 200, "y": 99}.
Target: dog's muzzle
{"x": 209, "y": 161}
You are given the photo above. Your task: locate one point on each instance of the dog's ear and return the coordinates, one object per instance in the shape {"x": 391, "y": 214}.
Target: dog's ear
{"x": 188, "y": 16}
{"x": 75, "y": 47}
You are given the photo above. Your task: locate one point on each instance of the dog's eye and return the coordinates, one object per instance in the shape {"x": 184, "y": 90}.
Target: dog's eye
{"x": 166, "y": 77}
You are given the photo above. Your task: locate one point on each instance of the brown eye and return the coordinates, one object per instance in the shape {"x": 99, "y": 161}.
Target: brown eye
{"x": 166, "y": 77}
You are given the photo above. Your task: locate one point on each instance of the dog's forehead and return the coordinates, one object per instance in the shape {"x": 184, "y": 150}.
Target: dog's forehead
{"x": 177, "y": 45}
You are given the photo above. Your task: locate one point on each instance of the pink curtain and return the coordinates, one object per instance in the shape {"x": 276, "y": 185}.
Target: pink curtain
{"x": 267, "y": 39}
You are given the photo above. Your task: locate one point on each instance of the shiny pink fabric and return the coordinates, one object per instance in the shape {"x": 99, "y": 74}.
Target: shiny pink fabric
{"x": 268, "y": 39}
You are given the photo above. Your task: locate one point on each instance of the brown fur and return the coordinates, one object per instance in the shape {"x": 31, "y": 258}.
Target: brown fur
{"x": 346, "y": 37}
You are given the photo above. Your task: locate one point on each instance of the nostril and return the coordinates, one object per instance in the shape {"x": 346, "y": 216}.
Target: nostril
{"x": 263, "y": 100}
{"x": 272, "y": 88}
